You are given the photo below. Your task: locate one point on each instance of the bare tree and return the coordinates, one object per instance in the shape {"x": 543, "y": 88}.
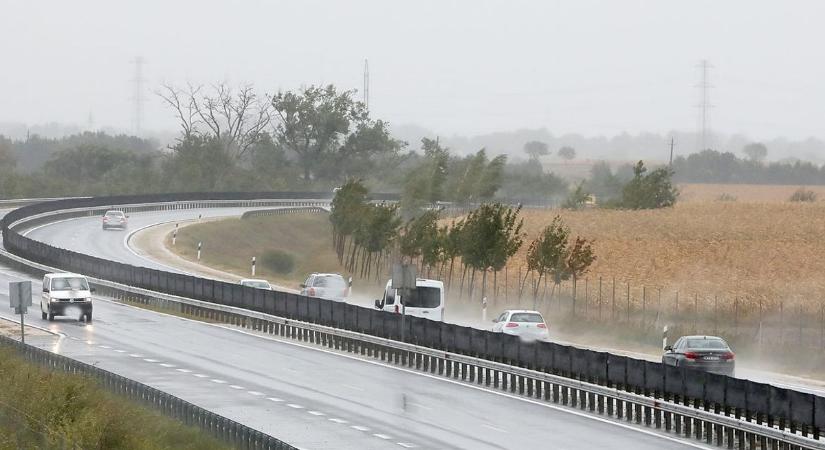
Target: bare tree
{"x": 237, "y": 118}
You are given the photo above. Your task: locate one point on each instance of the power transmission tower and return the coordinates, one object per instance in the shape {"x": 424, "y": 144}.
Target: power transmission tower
{"x": 367, "y": 84}
{"x": 137, "y": 95}
{"x": 704, "y": 104}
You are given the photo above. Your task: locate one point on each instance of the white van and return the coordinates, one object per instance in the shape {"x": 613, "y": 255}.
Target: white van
{"x": 66, "y": 294}
{"x": 427, "y": 300}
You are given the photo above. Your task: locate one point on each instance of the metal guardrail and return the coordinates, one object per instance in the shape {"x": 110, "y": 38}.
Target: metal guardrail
{"x": 226, "y": 430}
{"x": 683, "y": 414}
{"x": 282, "y": 211}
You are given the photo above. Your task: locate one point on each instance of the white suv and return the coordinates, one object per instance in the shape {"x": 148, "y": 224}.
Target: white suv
{"x": 330, "y": 286}
{"x": 66, "y": 294}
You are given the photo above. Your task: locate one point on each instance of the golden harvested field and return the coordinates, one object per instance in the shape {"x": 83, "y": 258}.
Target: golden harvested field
{"x": 690, "y": 193}
{"x": 772, "y": 250}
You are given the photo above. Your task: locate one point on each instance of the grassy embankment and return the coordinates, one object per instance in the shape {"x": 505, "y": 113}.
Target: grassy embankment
{"x": 44, "y": 409}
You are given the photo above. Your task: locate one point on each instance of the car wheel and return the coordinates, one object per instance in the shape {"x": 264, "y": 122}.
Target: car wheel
{"x": 50, "y": 317}
{"x": 43, "y": 315}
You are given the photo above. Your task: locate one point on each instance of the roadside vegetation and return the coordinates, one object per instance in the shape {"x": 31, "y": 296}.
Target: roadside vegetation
{"x": 44, "y": 409}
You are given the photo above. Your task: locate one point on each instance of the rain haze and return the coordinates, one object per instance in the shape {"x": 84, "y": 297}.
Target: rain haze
{"x": 452, "y": 67}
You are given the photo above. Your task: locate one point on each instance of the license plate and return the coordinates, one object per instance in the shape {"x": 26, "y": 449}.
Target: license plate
{"x": 711, "y": 358}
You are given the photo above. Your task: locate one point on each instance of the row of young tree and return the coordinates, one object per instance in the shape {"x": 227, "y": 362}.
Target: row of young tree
{"x": 369, "y": 237}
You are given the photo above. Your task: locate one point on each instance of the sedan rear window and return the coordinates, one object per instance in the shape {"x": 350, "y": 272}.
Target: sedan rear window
{"x": 330, "y": 282}
{"x": 710, "y": 344}
{"x": 526, "y": 317}
{"x": 114, "y": 214}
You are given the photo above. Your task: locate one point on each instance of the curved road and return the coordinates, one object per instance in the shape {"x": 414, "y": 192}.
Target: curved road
{"x": 310, "y": 397}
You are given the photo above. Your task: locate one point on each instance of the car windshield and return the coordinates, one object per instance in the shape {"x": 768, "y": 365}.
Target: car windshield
{"x": 70, "y": 284}
{"x": 423, "y": 297}
{"x": 526, "y": 317}
{"x": 709, "y": 344}
{"x": 257, "y": 284}
{"x": 330, "y": 282}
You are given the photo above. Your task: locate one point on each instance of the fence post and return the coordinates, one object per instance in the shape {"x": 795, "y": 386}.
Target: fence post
{"x": 695, "y": 310}
{"x": 614, "y": 299}
{"x": 781, "y": 322}
{"x": 644, "y": 304}
{"x": 600, "y": 297}
{"x": 586, "y": 296}
{"x": 628, "y": 302}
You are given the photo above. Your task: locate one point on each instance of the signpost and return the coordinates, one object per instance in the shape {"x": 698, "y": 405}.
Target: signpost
{"x": 403, "y": 281}
{"x": 20, "y": 298}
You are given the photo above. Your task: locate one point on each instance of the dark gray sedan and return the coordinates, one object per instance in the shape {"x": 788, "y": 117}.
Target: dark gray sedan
{"x": 709, "y": 353}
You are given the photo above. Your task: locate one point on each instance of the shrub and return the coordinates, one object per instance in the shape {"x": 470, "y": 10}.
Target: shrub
{"x": 803, "y": 195}
{"x": 726, "y": 198}
{"x": 278, "y": 261}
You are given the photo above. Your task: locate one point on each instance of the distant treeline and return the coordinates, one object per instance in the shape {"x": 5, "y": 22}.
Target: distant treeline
{"x": 711, "y": 166}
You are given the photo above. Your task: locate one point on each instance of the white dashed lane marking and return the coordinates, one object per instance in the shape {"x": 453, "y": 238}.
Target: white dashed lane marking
{"x": 493, "y": 428}
{"x": 135, "y": 355}
{"x": 217, "y": 381}
{"x": 338, "y": 420}
{"x": 167, "y": 365}
{"x": 255, "y": 393}
{"x": 200, "y": 375}
{"x": 316, "y": 413}
{"x": 275, "y": 399}
{"x": 381, "y": 436}
{"x": 405, "y": 444}
{"x": 120, "y": 351}
{"x": 359, "y": 428}
{"x": 150, "y": 360}
{"x": 184, "y": 370}
{"x": 293, "y": 405}
{"x": 235, "y": 386}
{"x": 104, "y": 346}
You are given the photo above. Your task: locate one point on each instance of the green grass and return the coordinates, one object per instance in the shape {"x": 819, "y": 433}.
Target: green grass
{"x": 44, "y": 409}
{"x": 229, "y": 245}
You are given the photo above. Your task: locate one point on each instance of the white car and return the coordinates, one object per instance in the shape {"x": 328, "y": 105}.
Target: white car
{"x": 523, "y": 323}
{"x": 256, "y": 283}
{"x": 66, "y": 294}
{"x": 330, "y": 286}
{"x": 115, "y": 219}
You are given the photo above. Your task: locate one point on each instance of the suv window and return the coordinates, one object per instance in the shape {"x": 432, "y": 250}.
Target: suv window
{"x": 389, "y": 295}
{"x": 69, "y": 284}
{"x": 423, "y": 297}
{"x": 330, "y": 282}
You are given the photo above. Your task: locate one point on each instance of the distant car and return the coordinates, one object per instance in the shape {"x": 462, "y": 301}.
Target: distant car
{"x": 708, "y": 353}
{"x": 64, "y": 294}
{"x": 522, "y": 323}
{"x": 115, "y": 219}
{"x": 256, "y": 283}
{"x": 331, "y": 286}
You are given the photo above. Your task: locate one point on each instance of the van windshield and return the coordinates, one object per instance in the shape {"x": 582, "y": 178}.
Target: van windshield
{"x": 70, "y": 284}
{"x": 423, "y": 297}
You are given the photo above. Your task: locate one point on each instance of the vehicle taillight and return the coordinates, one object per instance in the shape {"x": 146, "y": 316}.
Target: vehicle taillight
{"x": 311, "y": 292}
{"x": 541, "y": 325}
{"x": 105, "y": 219}
{"x": 729, "y": 356}
{"x": 511, "y": 325}
{"x": 690, "y": 355}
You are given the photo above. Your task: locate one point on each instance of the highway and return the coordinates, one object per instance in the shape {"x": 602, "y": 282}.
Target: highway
{"x": 312, "y": 398}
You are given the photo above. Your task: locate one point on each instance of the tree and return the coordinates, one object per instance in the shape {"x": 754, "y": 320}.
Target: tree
{"x": 492, "y": 234}
{"x": 649, "y": 191}
{"x": 536, "y": 149}
{"x": 756, "y": 151}
{"x": 361, "y": 151}
{"x": 235, "y": 119}
{"x": 577, "y": 198}
{"x": 311, "y": 123}
{"x": 567, "y": 153}
{"x": 198, "y": 163}
{"x": 346, "y": 212}
{"x": 546, "y": 255}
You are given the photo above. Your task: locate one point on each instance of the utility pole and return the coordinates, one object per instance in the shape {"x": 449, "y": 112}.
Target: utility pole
{"x": 671, "y": 152}
{"x": 704, "y": 104}
{"x": 367, "y": 84}
{"x": 137, "y": 95}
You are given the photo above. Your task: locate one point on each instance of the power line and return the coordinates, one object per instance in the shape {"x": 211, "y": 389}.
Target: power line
{"x": 137, "y": 95}
{"x": 704, "y": 104}
{"x": 367, "y": 84}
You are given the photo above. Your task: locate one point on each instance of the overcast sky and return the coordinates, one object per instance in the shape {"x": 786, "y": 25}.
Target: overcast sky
{"x": 466, "y": 67}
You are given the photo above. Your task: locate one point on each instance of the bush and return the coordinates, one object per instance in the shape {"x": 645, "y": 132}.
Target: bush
{"x": 278, "y": 261}
{"x": 726, "y": 198}
{"x": 803, "y": 195}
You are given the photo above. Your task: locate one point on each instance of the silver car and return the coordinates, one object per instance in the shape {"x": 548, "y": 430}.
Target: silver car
{"x": 330, "y": 286}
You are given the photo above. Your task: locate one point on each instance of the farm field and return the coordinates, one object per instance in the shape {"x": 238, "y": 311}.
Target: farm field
{"x": 751, "y": 193}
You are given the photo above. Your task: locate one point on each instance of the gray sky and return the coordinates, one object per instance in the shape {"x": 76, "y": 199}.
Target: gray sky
{"x": 590, "y": 67}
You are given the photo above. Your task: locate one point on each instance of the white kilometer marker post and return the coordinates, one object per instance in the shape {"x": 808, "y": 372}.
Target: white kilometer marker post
{"x": 175, "y": 234}
{"x": 199, "y": 250}
{"x": 664, "y": 337}
{"x": 253, "y": 266}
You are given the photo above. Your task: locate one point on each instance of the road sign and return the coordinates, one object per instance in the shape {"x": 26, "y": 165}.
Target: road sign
{"x": 403, "y": 276}
{"x": 20, "y": 294}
